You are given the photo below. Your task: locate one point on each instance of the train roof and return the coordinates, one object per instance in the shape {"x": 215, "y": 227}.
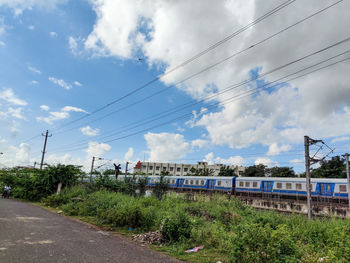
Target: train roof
{"x": 294, "y": 179}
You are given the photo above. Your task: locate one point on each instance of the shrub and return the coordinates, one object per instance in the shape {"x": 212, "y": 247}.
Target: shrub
{"x": 176, "y": 226}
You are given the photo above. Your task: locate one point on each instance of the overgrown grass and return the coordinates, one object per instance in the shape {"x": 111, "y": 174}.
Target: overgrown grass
{"x": 229, "y": 230}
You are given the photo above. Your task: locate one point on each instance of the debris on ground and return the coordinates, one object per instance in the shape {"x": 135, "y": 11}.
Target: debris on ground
{"x": 149, "y": 238}
{"x": 59, "y": 212}
{"x": 195, "y": 249}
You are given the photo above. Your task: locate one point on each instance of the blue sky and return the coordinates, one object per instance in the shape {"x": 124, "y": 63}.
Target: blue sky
{"x": 62, "y": 60}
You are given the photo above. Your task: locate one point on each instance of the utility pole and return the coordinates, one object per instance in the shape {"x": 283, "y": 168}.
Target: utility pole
{"x": 348, "y": 175}
{"x": 92, "y": 166}
{"x": 126, "y": 170}
{"x": 44, "y": 150}
{"x": 308, "y": 162}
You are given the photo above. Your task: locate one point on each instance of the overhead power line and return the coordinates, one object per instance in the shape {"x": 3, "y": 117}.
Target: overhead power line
{"x": 251, "y": 24}
{"x": 252, "y": 91}
{"x": 207, "y": 68}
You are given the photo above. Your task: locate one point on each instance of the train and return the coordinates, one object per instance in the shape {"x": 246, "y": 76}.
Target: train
{"x": 330, "y": 188}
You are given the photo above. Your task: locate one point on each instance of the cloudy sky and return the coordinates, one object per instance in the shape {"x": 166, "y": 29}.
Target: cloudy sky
{"x": 227, "y": 81}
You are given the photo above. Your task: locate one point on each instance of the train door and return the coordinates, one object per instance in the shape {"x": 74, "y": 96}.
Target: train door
{"x": 326, "y": 189}
{"x": 267, "y": 186}
{"x": 180, "y": 182}
{"x": 211, "y": 184}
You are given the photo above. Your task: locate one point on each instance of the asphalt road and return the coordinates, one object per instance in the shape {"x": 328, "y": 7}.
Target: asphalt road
{"x": 32, "y": 234}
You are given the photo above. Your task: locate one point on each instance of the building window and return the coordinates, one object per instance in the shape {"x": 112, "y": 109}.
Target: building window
{"x": 164, "y": 168}
{"x": 171, "y": 169}
{"x": 342, "y": 188}
{"x": 144, "y": 167}
{"x": 240, "y": 172}
{"x": 156, "y": 174}
{"x": 288, "y": 186}
{"x": 247, "y": 184}
{"x": 298, "y": 186}
{"x": 202, "y": 182}
{"x": 279, "y": 185}
{"x": 157, "y": 168}
{"x": 255, "y": 184}
{"x": 151, "y": 167}
{"x": 185, "y": 169}
{"x": 219, "y": 183}
{"x": 241, "y": 184}
{"x": 178, "y": 169}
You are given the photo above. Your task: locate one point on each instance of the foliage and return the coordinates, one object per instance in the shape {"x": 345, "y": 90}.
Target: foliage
{"x": 261, "y": 170}
{"x": 227, "y": 228}
{"x": 34, "y": 184}
{"x": 162, "y": 186}
{"x": 227, "y": 171}
{"x": 201, "y": 172}
{"x": 334, "y": 168}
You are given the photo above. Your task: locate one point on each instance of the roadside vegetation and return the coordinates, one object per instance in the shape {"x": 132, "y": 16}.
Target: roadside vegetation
{"x": 228, "y": 230}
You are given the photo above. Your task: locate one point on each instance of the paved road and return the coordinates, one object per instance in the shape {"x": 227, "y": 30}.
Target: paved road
{"x": 32, "y": 234}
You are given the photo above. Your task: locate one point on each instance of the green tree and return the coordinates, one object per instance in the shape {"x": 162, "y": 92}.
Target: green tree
{"x": 280, "y": 172}
{"x": 201, "y": 172}
{"x": 227, "y": 171}
{"x": 162, "y": 186}
{"x": 255, "y": 171}
{"x": 333, "y": 168}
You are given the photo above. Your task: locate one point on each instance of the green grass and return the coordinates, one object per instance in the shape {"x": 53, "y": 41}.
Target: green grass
{"x": 228, "y": 230}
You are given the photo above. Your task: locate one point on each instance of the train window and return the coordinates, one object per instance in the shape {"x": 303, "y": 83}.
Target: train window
{"x": 151, "y": 167}
{"x": 197, "y": 182}
{"x": 298, "y": 186}
{"x": 171, "y": 169}
{"x": 255, "y": 184}
{"x": 178, "y": 169}
{"x": 157, "y": 168}
{"x": 342, "y": 188}
{"x": 329, "y": 188}
{"x": 202, "y": 182}
{"x": 247, "y": 184}
{"x": 279, "y": 185}
{"x": 186, "y": 181}
{"x": 241, "y": 184}
{"x": 288, "y": 186}
{"x": 191, "y": 182}
{"x": 219, "y": 183}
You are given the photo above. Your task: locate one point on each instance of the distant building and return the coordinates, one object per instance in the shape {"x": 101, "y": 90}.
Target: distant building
{"x": 180, "y": 169}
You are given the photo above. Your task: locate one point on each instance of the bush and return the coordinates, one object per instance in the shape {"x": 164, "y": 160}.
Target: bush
{"x": 176, "y": 226}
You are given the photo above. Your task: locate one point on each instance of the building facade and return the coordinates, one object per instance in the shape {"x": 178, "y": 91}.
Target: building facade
{"x": 181, "y": 169}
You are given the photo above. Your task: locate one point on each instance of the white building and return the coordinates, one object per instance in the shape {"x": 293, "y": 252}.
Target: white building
{"x": 180, "y": 169}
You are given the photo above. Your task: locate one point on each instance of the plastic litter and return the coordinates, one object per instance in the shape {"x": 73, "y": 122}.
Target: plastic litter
{"x": 195, "y": 249}
{"x": 130, "y": 229}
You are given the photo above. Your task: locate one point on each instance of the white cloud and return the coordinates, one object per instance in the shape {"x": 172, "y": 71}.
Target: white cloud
{"x": 129, "y": 154}
{"x": 340, "y": 139}
{"x": 16, "y": 113}
{"x": 77, "y": 83}
{"x": 44, "y": 107}
{"x": 200, "y": 143}
{"x": 266, "y": 161}
{"x": 169, "y": 32}
{"x": 275, "y": 150}
{"x": 59, "y": 115}
{"x": 34, "y": 82}
{"x": 34, "y": 69}
{"x": 89, "y": 131}
{"x": 61, "y": 83}
{"x": 297, "y": 162}
{"x": 76, "y": 45}
{"x": 9, "y": 96}
{"x": 2, "y": 140}
{"x": 166, "y": 146}
{"x": 19, "y": 6}
{"x": 21, "y": 155}
{"x": 232, "y": 160}
{"x": 53, "y": 34}
{"x": 97, "y": 149}
{"x": 31, "y": 27}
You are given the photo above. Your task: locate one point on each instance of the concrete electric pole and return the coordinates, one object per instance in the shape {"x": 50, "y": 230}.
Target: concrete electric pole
{"x": 44, "y": 150}
{"x": 347, "y": 175}
{"x": 92, "y": 166}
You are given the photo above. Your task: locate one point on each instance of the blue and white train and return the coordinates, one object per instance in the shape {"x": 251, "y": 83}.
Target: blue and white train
{"x": 254, "y": 186}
